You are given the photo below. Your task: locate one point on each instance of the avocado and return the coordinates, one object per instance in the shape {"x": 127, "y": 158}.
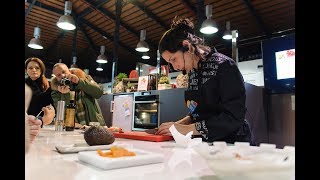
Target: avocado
{"x": 98, "y": 135}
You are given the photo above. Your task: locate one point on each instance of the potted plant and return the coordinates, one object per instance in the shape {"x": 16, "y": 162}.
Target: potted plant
{"x": 118, "y": 84}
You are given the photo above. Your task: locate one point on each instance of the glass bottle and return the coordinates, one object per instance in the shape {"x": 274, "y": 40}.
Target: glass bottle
{"x": 70, "y": 113}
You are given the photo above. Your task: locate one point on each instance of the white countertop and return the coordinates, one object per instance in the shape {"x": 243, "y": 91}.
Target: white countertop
{"x": 43, "y": 162}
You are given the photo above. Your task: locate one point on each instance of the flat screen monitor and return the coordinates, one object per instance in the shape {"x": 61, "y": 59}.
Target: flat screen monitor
{"x": 278, "y": 55}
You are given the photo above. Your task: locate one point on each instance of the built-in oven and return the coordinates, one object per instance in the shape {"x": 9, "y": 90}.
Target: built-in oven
{"x": 146, "y": 111}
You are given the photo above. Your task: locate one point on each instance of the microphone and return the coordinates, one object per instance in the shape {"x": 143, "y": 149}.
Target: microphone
{"x": 184, "y": 72}
{"x": 184, "y": 49}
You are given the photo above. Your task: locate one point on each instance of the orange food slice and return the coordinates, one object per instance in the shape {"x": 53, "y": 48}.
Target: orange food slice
{"x": 116, "y": 152}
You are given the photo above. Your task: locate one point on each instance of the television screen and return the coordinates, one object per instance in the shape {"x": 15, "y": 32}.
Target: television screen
{"x": 278, "y": 56}
{"x": 285, "y": 63}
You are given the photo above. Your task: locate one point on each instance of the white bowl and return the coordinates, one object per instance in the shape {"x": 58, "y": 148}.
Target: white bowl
{"x": 242, "y": 162}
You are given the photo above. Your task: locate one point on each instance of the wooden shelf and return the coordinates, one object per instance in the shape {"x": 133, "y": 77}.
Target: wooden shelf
{"x": 130, "y": 79}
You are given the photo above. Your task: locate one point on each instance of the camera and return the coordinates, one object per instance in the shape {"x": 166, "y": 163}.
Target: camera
{"x": 65, "y": 82}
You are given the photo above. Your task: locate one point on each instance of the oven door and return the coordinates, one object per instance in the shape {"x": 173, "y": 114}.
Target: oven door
{"x": 146, "y": 112}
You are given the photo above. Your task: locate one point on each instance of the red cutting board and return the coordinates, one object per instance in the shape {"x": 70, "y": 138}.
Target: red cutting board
{"x": 138, "y": 135}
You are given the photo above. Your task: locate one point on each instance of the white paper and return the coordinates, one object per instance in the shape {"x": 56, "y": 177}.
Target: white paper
{"x": 183, "y": 140}
{"x": 143, "y": 83}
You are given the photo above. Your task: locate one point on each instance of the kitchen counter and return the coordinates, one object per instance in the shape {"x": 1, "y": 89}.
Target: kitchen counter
{"x": 43, "y": 162}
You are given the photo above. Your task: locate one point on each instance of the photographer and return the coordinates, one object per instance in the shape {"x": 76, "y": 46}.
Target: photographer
{"x": 87, "y": 91}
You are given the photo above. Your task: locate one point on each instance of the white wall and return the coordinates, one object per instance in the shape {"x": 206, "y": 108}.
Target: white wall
{"x": 251, "y": 72}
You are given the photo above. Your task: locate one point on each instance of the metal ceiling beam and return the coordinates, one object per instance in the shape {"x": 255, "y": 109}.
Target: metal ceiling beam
{"x": 89, "y": 10}
{"x": 200, "y": 14}
{"x": 55, "y": 43}
{"x": 86, "y": 36}
{"x": 74, "y": 42}
{"x": 149, "y": 13}
{"x": 258, "y": 18}
{"x": 103, "y": 33}
{"x": 188, "y": 5}
{"x": 49, "y": 8}
{"x": 29, "y": 9}
{"x": 101, "y": 3}
{"x": 126, "y": 26}
{"x": 85, "y": 12}
{"x": 261, "y": 38}
{"x": 116, "y": 40}
{"x": 79, "y": 25}
{"x": 117, "y": 32}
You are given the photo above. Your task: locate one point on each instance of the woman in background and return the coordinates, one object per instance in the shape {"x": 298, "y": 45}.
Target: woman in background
{"x": 41, "y": 92}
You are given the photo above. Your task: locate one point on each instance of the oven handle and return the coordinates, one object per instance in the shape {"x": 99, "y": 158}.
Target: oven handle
{"x": 145, "y": 102}
{"x": 112, "y": 106}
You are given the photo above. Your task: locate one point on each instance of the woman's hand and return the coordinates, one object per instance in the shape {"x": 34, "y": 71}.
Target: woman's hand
{"x": 34, "y": 127}
{"x": 164, "y": 129}
{"x": 181, "y": 128}
{"x": 49, "y": 114}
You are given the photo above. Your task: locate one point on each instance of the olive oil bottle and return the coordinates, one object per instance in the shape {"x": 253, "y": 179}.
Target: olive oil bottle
{"x": 70, "y": 113}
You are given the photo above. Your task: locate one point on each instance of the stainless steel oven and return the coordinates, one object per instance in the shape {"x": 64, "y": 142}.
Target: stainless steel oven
{"x": 151, "y": 108}
{"x": 146, "y": 111}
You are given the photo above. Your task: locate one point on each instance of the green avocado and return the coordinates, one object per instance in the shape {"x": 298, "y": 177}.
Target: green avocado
{"x": 98, "y": 135}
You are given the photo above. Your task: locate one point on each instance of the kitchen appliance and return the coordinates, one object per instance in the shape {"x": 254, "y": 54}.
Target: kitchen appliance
{"x": 146, "y": 111}
{"x": 121, "y": 108}
{"x": 151, "y": 108}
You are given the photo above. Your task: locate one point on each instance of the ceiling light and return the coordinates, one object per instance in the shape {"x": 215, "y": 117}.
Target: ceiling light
{"x": 227, "y": 33}
{"x": 99, "y": 68}
{"x": 102, "y": 58}
{"x": 35, "y": 42}
{"x": 209, "y": 26}
{"x": 145, "y": 56}
{"x": 66, "y": 22}
{"x": 74, "y": 61}
{"x": 142, "y": 46}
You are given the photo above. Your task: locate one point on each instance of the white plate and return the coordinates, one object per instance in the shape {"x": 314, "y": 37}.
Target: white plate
{"x": 74, "y": 148}
{"x": 141, "y": 158}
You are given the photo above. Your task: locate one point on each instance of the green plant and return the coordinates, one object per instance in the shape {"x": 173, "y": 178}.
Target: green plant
{"x": 120, "y": 76}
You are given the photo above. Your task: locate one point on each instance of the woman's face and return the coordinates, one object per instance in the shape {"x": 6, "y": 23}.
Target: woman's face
{"x": 33, "y": 70}
{"x": 179, "y": 60}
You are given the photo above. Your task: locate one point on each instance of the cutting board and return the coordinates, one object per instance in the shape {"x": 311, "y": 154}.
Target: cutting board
{"x": 142, "y": 158}
{"x": 138, "y": 135}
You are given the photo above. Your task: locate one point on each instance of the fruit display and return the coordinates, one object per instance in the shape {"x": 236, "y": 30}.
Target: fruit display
{"x": 164, "y": 80}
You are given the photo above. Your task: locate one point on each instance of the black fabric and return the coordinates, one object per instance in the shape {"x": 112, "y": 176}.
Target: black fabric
{"x": 216, "y": 100}
{"x": 39, "y": 98}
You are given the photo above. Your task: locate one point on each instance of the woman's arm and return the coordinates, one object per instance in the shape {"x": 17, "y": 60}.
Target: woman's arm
{"x": 185, "y": 120}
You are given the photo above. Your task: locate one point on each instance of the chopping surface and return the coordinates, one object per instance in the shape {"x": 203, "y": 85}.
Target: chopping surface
{"x": 138, "y": 135}
{"x": 142, "y": 158}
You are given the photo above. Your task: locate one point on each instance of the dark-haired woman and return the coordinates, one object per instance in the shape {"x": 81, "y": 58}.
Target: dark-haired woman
{"x": 216, "y": 95}
{"x": 41, "y": 92}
